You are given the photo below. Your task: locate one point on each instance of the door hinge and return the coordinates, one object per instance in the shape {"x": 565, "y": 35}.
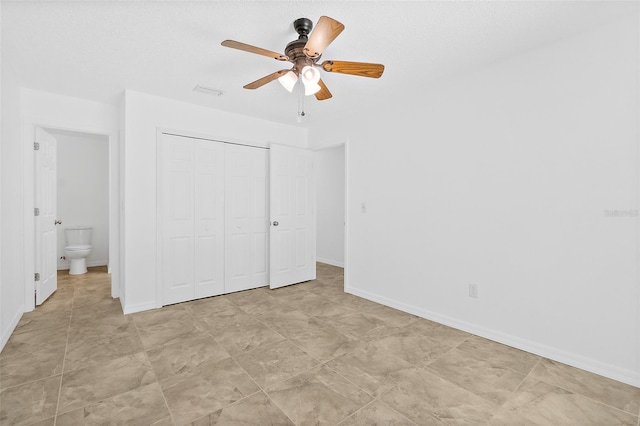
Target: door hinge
{"x": 36, "y": 211}
{"x": 36, "y": 146}
{"x": 36, "y": 276}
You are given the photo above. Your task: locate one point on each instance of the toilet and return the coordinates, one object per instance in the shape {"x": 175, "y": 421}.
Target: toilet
{"x": 77, "y": 248}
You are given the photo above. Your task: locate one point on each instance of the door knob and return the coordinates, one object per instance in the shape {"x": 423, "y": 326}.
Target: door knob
{"x": 57, "y": 222}
{"x": 275, "y": 223}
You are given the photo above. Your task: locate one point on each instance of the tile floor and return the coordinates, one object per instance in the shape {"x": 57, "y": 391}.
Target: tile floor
{"x": 300, "y": 355}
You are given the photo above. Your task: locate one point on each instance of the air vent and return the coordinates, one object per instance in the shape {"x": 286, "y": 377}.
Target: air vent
{"x": 207, "y": 90}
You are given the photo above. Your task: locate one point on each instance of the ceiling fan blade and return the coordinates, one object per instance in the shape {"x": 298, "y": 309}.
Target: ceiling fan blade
{"x": 362, "y": 69}
{"x": 252, "y": 49}
{"x": 326, "y": 30}
{"x": 266, "y": 79}
{"x": 323, "y": 93}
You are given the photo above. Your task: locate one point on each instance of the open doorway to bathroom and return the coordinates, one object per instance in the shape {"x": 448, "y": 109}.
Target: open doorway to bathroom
{"x": 77, "y": 197}
{"x": 83, "y": 192}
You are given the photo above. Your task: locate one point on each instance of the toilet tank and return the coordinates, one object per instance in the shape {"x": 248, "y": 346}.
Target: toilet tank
{"x": 78, "y": 235}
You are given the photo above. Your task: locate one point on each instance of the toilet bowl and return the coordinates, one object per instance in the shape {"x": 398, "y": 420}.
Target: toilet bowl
{"x": 77, "y": 248}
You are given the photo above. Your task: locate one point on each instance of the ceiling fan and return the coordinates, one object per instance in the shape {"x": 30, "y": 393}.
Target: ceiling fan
{"x": 304, "y": 53}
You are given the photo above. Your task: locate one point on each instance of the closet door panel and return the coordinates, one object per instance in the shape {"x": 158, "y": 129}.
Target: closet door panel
{"x": 260, "y": 248}
{"x": 246, "y": 221}
{"x": 177, "y": 220}
{"x": 209, "y": 218}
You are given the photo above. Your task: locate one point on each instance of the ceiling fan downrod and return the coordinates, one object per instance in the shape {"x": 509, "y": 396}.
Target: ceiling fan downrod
{"x": 295, "y": 49}
{"x": 303, "y": 27}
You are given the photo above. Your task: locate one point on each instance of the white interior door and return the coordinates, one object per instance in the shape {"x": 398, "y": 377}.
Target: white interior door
{"x": 246, "y": 217}
{"x": 45, "y": 226}
{"x": 292, "y": 214}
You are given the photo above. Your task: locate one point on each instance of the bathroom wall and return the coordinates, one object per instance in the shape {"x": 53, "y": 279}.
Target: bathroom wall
{"x": 83, "y": 191}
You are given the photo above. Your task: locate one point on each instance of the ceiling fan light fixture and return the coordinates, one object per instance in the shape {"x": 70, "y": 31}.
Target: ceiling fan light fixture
{"x": 311, "y": 89}
{"x": 288, "y": 80}
{"x": 310, "y": 77}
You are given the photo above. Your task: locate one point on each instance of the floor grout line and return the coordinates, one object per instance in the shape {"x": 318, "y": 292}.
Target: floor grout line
{"x": 528, "y": 374}
{"x": 279, "y": 408}
{"x": 357, "y": 411}
{"x": 64, "y": 359}
{"x": 164, "y": 398}
{"x": 585, "y": 396}
{"x": 396, "y": 411}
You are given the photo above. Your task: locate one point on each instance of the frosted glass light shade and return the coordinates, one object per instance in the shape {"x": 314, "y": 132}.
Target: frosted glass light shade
{"x": 310, "y": 77}
{"x": 310, "y": 74}
{"x": 311, "y": 88}
{"x": 288, "y": 80}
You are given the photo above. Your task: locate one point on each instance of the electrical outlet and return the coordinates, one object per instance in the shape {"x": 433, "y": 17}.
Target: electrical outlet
{"x": 473, "y": 290}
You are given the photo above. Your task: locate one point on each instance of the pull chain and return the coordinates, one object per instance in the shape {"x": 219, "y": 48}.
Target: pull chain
{"x": 301, "y": 113}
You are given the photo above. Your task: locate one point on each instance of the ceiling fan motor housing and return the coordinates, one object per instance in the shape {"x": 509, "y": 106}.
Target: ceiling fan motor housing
{"x": 295, "y": 49}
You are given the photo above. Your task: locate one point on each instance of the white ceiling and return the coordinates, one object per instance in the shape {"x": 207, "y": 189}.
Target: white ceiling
{"x": 95, "y": 50}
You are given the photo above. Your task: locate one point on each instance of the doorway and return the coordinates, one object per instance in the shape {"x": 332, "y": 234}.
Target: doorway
{"x": 77, "y": 193}
{"x": 330, "y": 195}
{"x": 83, "y": 192}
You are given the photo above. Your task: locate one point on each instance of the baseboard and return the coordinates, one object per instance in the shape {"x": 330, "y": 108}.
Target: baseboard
{"x": 138, "y": 307}
{"x": 330, "y": 262}
{"x": 607, "y": 370}
{"x": 12, "y": 327}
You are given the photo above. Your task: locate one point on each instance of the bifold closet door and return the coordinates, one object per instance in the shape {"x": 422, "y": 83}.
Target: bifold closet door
{"x": 192, "y": 211}
{"x": 246, "y": 217}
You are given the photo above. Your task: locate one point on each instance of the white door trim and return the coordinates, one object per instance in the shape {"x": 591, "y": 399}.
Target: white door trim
{"x": 29, "y": 125}
{"x": 346, "y": 214}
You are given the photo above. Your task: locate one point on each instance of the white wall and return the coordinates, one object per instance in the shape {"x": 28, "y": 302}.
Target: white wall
{"x": 330, "y": 185}
{"x": 144, "y": 116}
{"x": 12, "y": 281}
{"x": 22, "y": 110}
{"x": 120, "y": 203}
{"x": 503, "y": 177}
{"x": 3, "y": 322}
{"x": 83, "y": 192}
